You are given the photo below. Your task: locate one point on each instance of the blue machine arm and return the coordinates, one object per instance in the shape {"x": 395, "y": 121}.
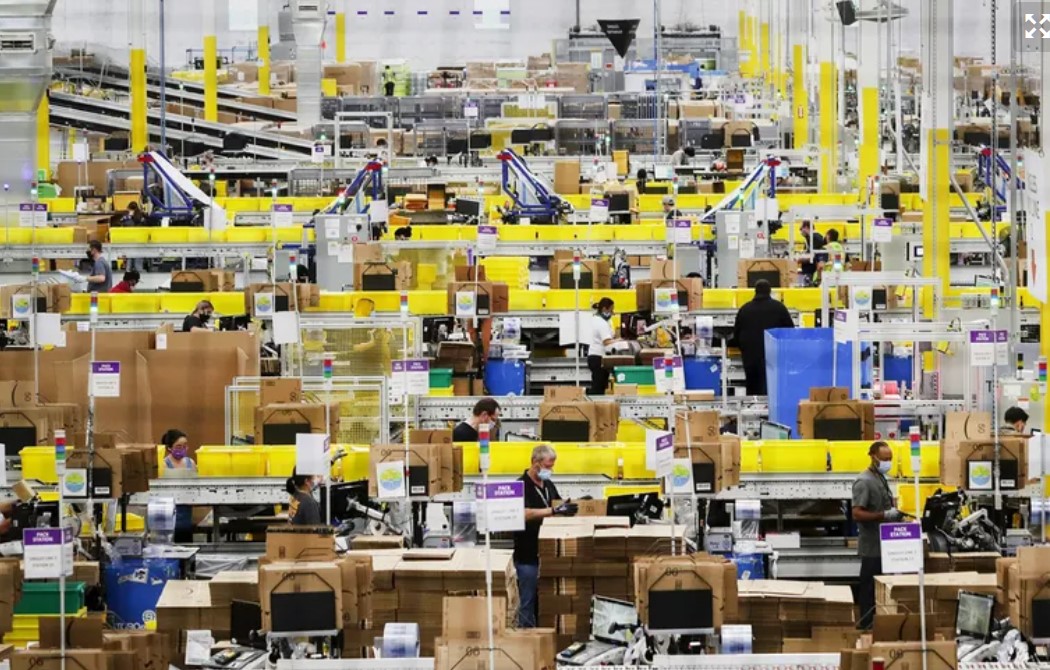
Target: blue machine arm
{"x": 538, "y": 200}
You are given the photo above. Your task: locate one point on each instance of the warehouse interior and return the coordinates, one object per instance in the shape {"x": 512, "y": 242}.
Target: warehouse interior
{"x": 506, "y": 335}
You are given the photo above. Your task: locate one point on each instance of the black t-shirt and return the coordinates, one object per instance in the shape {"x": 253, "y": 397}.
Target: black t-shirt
{"x": 527, "y": 542}
{"x": 190, "y": 322}
{"x": 464, "y": 432}
{"x": 307, "y": 512}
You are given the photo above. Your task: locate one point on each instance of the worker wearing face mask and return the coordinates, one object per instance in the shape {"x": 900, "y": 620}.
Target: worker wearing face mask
{"x": 304, "y": 510}
{"x": 601, "y": 339}
{"x": 198, "y": 320}
{"x": 873, "y": 505}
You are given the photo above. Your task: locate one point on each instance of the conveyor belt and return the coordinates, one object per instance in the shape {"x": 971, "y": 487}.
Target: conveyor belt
{"x": 95, "y": 72}
{"x": 275, "y": 145}
{"x": 177, "y": 95}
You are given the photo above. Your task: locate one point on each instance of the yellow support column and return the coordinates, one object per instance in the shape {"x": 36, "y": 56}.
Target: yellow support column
{"x": 763, "y": 51}
{"x": 340, "y": 37}
{"x": 801, "y": 96}
{"x": 211, "y": 66}
{"x": 43, "y": 136}
{"x": 937, "y": 51}
{"x": 743, "y": 47}
{"x": 264, "y": 58}
{"x": 828, "y": 127}
{"x": 936, "y": 240}
{"x": 869, "y": 140}
{"x": 137, "y": 66}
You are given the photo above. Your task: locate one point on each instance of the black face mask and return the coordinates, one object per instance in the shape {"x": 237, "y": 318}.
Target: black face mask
{"x": 205, "y": 317}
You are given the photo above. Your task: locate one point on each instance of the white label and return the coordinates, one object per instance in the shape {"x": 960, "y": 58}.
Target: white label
{"x": 501, "y": 507}
{"x": 599, "y": 210}
{"x": 861, "y": 298}
{"x": 162, "y": 341}
{"x": 597, "y": 61}
{"x": 47, "y": 553}
{"x": 666, "y": 300}
{"x": 470, "y": 110}
{"x": 390, "y": 480}
{"x": 198, "y": 647}
{"x": 747, "y": 248}
{"x": 680, "y": 231}
{"x": 411, "y": 376}
{"x": 732, "y": 224}
{"x": 105, "y": 379}
{"x": 466, "y": 303}
{"x": 882, "y": 230}
{"x": 318, "y": 154}
{"x": 659, "y": 449}
{"x": 331, "y": 229}
{"x": 345, "y": 254}
{"x": 311, "y": 453}
{"x": 286, "y": 328}
{"x": 81, "y": 152}
{"x": 378, "y": 211}
{"x": 733, "y": 242}
{"x": 21, "y": 306}
{"x": 487, "y": 238}
{"x": 32, "y": 215}
{"x": 901, "y": 547}
{"x": 673, "y": 383}
{"x": 281, "y": 216}
{"x": 982, "y": 348}
{"x": 847, "y": 326}
{"x": 74, "y": 484}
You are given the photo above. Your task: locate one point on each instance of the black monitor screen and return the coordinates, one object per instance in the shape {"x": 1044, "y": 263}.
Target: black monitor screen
{"x": 280, "y": 303}
{"x": 681, "y": 610}
{"x": 187, "y": 287}
{"x": 771, "y": 276}
{"x": 566, "y": 431}
{"x": 245, "y": 618}
{"x": 468, "y": 207}
{"x": 1040, "y": 619}
{"x": 283, "y": 433}
{"x": 303, "y": 612}
{"x": 379, "y": 282}
{"x": 974, "y": 615}
{"x": 17, "y": 438}
{"x": 586, "y": 279}
{"x": 619, "y": 202}
{"x": 342, "y": 495}
{"x": 837, "y": 429}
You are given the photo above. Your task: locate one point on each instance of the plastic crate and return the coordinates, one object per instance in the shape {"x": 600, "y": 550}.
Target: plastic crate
{"x": 440, "y": 378}
{"x": 634, "y": 374}
{"x": 280, "y": 461}
{"x": 43, "y": 598}
{"x": 38, "y": 464}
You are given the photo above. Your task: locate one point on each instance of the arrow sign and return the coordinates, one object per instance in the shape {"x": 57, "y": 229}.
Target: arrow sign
{"x": 620, "y": 32}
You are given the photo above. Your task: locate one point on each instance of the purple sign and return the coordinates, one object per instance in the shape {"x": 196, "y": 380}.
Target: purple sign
{"x": 282, "y": 208}
{"x": 37, "y": 537}
{"x": 982, "y": 337}
{"x": 418, "y": 366}
{"x": 660, "y": 362}
{"x": 599, "y": 202}
{"x": 890, "y": 532}
{"x": 841, "y": 316}
{"x": 1002, "y": 336}
{"x": 105, "y": 368}
{"x": 502, "y": 491}
{"x": 32, "y": 207}
{"x": 664, "y": 442}
{"x": 487, "y": 230}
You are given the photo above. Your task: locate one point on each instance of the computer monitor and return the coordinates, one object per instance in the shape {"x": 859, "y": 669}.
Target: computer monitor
{"x": 283, "y": 433}
{"x": 605, "y": 614}
{"x": 304, "y": 612}
{"x": 233, "y": 323}
{"x": 774, "y": 431}
{"x": 1040, "y": 621}
{"x": 342, "y": 495}
{"x": 469, "y": 207}
{"x": 664, "y": 172}
{"x": 974, "y": 616}
{"x": 683, "y": 612}
{"x": 245, "y": 619}
{"x": 619, "y": 202}
{"x": 641, "y": 505}
{"x": 17, "y": 438}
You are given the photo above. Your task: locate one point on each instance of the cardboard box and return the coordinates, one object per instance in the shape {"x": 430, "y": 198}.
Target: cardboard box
{"x": 431, "y": 467}
{"x": 50, "y": 659}
{"x": 300, "y": 543}
{"x": 696, "y": 572}
{"x": 969, "y": 464}
{"x": 898, "y": 628}
{"x": 567, "y": 176}
{"x": 183, "y": 605}
{"x": 283, "y": 586}
{"x": 766, "y": 268}
{"x": 464, "y": 617}
{"x": 836, "y": 420}
{"x": 280, "y": 391}
{"x": 490, "y": 298}
{"x": 939, "y": 655}
{"x": 593, "y": 274}
{"x": 81, "y": 632}
{"x": 430, "y": 436}
{"x": 568, "y": 415}
{"x": 716, "y": 465}
{"x": 200, "y": 281}
{"x": 114, "y": 472}
{"x": 281, "y": 420}
{"x": 700, "y": 426}
{"x": 690, "y": 292}
{"x": 460, "y": 356}
{"x": 285, "y": 295}
{"x": 383, "y": 276}
{"x": 243, "y": 585}
{"x": 152, "y": 649}
{"x": 828, "y": 394}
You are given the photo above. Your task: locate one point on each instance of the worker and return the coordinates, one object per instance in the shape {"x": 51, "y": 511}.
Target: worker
{"x": 540, "y": 498}
{"x": 683, "y": 157}
{"x": 403, "y": 234}
{"x": 601, "y": 338}
{"x": 670, "y": 211}
{"x": 388, "y": 82}
{"x": 835, "y": 252}
{"x": 304, "y": 510}
{"x": 813, "y": 241}
{"x": 197, "y": 322}
{"x": 1016, "y": 420}
{"x": 873, "y": 504}
{"x": 128, "y": 283}
{"x": 134, "y": 216}
{"x": 176, "y": 458}
{"x": 762, "y": 313}
{"x": 101, "y": 278}
{"x": 486, "y": 410}
{"x": 641, "y": 180}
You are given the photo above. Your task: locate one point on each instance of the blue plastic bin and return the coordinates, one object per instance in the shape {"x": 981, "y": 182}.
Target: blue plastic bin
{"x": 798, "y": 359}
{"x": 750, "y": 566}
{"x": 503, "y": 378}
{"x": 897, "y": 369}
{"x": 703, "y": 373}
{"x": 133, "y": 587}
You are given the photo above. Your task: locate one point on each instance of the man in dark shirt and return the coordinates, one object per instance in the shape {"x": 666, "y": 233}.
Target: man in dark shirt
{"x": 873, "y": 505}
{"x": 752, "y": 321}
{"x": 540, "y": 495}
{"x": 486, "y": 410}
{"x": 198, "y": 320}
{"x": 101, "y": 278}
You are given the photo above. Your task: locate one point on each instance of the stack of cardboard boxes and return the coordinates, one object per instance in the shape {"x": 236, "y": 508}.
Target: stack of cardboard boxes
{"x": 435, "y": 465}
{"x": 465, "y": 631}
{"x": 202, "y": 281}
{"x": 1023, "y": 590}
{"x": 88, "y": 647}
{"x": 983, "y": 562}
{"x": 489, "y": 297}
{"x": 751, "y": 269}
{"x": 567, "y": 415}
{"x": 968, "y": 454}
{"x": 19, "y": 409}
{"x": 899, "y": 594}
{"x": 695, "y": 572}
{"x": 829, "y": 414}
{"x": 786, "y": 615}
{"x": 266, "y": 299}
{"x": 15, "y": 299}
{"x": 665, "y": 274}
{"x": 584, "y": 556}
{"x": 409, "y": 586}
{"x": 715, "y": 458}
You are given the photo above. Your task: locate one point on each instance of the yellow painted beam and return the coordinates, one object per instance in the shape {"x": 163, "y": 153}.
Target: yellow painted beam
{"x": 869, "y": 141}
{"x": 264, "y": 60}
{"x": 743, "y": 47}
{"x": 936, "y": 238}
{"x": 752, "y": 46}
{"x": 800, "y": 99}
{"x": 43, "y": 136}
{"x": 763, "y": 51}
{"x": 340, "y": 37}
{"x": 211, "y": 78}
{"x": 139, "y": 129}
{"x": 828, "y": 127}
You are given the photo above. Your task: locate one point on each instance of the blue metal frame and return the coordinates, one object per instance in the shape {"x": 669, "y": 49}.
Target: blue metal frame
{"x": 161, "y": 209}
{"x": 1001, "y": 169}
{"x": 371, "y": 175}
{"x": 548, "y": 204}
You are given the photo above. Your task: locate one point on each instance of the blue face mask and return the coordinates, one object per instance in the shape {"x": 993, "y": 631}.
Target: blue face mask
{"x": 606, "y": 315}
{"x": 884, "y": 466}
{"x": 544, "y": 475}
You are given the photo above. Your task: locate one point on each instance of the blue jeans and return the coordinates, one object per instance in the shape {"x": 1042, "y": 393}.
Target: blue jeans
{"x": 528, "y": 584}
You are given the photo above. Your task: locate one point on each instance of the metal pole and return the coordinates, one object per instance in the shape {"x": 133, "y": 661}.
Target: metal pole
{"x": 163, "y": 87}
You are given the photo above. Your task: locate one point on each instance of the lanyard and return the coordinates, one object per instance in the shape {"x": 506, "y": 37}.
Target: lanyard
{"x": 541, "y": 491}
{"x": 885, "y": 484}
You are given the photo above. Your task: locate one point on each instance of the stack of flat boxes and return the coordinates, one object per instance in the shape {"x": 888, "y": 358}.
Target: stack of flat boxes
{"x": 586, "y": 556}
{"x": 781, "y": 610}
{"x": 899, "y": 594}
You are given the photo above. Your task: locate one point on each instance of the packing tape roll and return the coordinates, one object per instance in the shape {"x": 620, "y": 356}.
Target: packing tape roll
{"x": 401, "y": 640}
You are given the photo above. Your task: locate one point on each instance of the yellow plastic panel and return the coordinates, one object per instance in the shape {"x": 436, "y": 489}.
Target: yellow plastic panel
{"x": 133, "y": 303}
{"x": 242, "y": 234}
{"x": 129, "y": 235}
{"x": 794, "y": 456}
{"x": 931, "y": 460}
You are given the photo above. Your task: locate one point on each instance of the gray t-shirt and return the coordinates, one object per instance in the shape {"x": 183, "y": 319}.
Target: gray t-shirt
{"x": 871, "y": 492}
{"x": 101, "y": 267}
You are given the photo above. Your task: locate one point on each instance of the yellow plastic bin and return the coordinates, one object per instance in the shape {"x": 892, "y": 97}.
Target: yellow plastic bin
{"x": 280, "y": 461}
{"x": 38, "y": 464}
{"x": 214, "y": 462}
